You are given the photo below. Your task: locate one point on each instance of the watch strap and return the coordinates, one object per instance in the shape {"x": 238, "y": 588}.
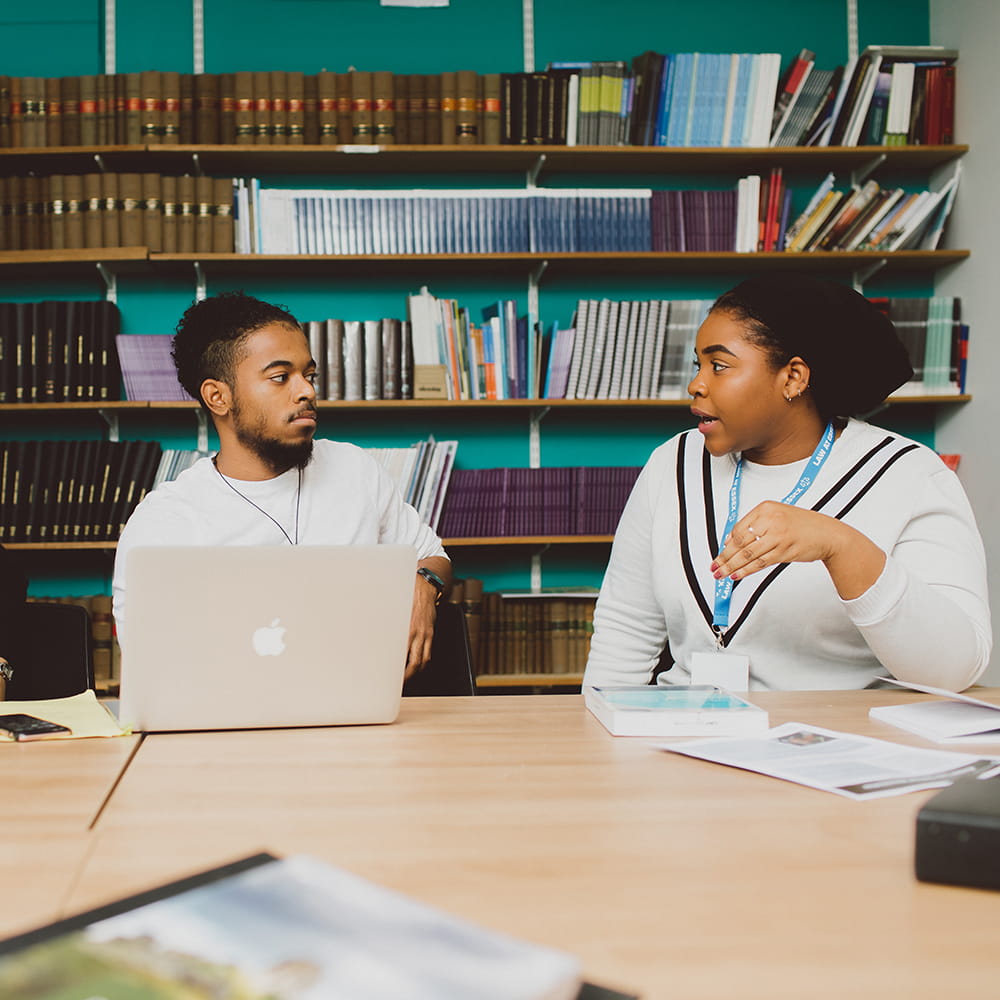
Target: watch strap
{"x": 433, "y": 579}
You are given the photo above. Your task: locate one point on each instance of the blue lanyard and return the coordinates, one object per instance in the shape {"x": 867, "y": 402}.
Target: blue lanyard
{"x": 724, "y": 587}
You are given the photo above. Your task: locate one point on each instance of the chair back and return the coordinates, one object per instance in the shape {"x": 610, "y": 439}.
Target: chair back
{"x": 55, "y": 658}
{"x": 449, "y": 670}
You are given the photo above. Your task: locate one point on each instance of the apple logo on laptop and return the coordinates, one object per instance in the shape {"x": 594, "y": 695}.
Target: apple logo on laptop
{"x": 269, "y": 640}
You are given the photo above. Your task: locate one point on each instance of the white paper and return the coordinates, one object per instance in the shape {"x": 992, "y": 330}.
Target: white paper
{"x": 857, "y": 767}
{"x": 958, "y": 719}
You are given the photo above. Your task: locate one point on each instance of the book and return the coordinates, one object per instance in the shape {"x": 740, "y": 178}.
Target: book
{"x": 148, "y": 368}
{"x": 674, "y": 710}
{"x": 789, "y": 88}
{"x": 292, "y": 926}
{"x": 954, "y": 718}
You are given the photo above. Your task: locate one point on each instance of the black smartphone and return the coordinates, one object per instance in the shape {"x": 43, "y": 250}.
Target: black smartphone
{"x": 27, "y": 727}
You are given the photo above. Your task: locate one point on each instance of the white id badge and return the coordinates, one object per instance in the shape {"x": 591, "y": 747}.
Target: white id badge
{"x": 726, "y": 670}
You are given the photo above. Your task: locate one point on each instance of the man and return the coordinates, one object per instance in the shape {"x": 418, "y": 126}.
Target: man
{"x": 248, "y": 363}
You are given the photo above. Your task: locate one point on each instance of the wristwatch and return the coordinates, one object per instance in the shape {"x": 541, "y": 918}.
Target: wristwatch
{"x": 434, "y": 580}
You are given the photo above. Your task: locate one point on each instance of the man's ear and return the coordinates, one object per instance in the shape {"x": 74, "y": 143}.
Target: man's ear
{"x": 217, "y": 396}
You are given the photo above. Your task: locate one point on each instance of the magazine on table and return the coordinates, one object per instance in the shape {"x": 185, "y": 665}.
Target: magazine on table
{"x": 858, "y": 767}
{"x": 267, "y": 928}
{"x": 958, "y": 718}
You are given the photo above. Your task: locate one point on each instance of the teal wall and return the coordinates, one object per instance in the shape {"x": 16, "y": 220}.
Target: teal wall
{"x": 65, "y": 37}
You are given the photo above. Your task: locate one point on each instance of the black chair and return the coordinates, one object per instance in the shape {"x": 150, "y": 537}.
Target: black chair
{"x": 53, "y": 654}
{"x": 449, "y": 670}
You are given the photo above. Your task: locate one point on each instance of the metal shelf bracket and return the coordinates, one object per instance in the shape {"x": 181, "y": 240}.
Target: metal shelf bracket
{"x": 200, "y": 287}
{"x": 531, "y": 178}
{"x": 534, "y": 307}
{"x": 535, "y": 437}
{"x": 536, "y": 570}
{"x": 202, "y": 418}
{"x": 110, "y": 282}
{"x": 859, "y": 278}
{"x": 860, "y": 174}
{"x": 111, "y": 419}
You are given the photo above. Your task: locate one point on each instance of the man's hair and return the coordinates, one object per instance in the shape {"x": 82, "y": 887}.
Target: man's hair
{"x": 211, "y": 332}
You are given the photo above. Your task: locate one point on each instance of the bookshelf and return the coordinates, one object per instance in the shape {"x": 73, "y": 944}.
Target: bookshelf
{"x": 153, "y": 289}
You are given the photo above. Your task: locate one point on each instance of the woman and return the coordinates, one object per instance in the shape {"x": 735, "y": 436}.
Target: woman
{"x": 829, "y": 552}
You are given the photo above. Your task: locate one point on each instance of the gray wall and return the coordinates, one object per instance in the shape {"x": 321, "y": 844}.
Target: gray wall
{"x": 973, "y": 430}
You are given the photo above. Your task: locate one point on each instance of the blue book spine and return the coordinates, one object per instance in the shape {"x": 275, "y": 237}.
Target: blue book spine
{"x": 666, "y": 95}
{"x": 740, "y": 99}
{"x": 720, "y": 62}
{"x": 696, "y": 133}
{"x": 680, "y": 98}
{"x": 644, "y": 227}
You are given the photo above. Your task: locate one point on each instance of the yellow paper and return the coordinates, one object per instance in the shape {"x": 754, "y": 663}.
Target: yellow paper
{"x": 82, "y": 713}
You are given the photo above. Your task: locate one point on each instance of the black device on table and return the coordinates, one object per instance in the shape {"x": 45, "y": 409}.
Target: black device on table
{"x": 28, "y": 727}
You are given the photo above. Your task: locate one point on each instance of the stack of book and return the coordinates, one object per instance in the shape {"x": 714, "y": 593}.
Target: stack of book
{"x": 251, "y": 107}
{"x": 147, "y": 366}
{"x": 172, "y": 214}
{"x": 174, "y": 461}
{"x": 362, "y": 359}
{"x": 520, "y": 633}
{"x": 866, "y": 216}
{"x": 889, "y": 95}
{"x": 298, "y": 221}
{"x": 56, "y": 352}
{"x": 936, "y": 340}
{"x": 72, "y": 491}
{"x": 896, "y": 95}
{"x": 625, "y": 350}
{"x": 422, "y": 473}
{"x": 498, "y": 503}
{"x": 497, "y": 358}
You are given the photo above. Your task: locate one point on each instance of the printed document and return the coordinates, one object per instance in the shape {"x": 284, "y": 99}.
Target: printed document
{"x": 858, "y": 767}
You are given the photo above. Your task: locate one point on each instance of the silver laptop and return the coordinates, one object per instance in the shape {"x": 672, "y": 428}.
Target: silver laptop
{"x": 248, "y": 637}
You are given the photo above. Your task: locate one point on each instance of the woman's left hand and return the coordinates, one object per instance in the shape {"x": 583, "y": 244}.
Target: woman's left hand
{"x": 774, "y": 533}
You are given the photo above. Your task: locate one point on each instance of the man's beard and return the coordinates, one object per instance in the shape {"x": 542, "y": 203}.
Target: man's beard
{"x": 279, "y": 456}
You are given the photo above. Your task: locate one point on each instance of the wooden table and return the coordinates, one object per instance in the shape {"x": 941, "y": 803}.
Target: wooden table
{"x": 52, "y": 792}
{"x": 668, "y": 876}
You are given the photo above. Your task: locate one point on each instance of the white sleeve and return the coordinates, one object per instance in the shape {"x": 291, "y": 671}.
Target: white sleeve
{"x": 399, "y": 522}
{"x": 927, "y": 617}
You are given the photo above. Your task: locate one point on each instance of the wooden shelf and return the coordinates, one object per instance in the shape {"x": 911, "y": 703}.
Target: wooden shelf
{"x": 528, "y": 680}
{"x": 134, "y": 260}
{"x": 436, "y": 404}
{"x": 255, "y": 160}
{"x": 529, "y": 540}
{"x": 448, "y": 542}
{"x": 60, "y": 546}
{"x": 605, "y": 263}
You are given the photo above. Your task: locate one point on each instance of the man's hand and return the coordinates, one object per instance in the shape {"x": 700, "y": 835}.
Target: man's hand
{"x": 424, "y": 614}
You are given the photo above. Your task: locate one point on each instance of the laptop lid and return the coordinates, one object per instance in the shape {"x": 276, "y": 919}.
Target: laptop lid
{"x": 247, "y": 637}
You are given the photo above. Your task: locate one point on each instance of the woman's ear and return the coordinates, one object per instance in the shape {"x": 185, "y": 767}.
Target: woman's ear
{"x": 217, "y": 396}
{"x": 797, "y": 374}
